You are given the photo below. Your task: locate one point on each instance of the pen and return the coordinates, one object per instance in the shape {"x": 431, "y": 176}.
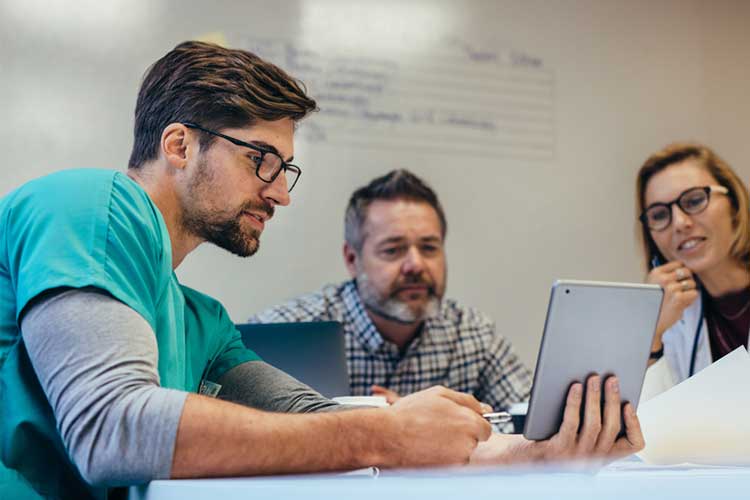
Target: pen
{"x": 498, "y": 417}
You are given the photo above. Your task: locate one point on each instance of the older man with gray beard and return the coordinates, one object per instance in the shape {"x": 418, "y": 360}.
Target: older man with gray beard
{"x": 402, "y": 336}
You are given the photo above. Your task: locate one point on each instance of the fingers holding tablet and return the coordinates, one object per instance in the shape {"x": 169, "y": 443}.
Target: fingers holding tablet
{"x": 571, "y": 416}
{"x": 611, "y": 417}
{"x": 596, "y": 436}
{"x": 589, "y": 434}
{"x": 633, "y": 440}
{"x": 592, "y": 416}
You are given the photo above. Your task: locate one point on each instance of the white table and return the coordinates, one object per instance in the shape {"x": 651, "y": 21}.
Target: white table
{"x": 626, "y": 480}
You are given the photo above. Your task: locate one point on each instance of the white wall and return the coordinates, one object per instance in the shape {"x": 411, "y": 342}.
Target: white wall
{"x": 627, "y": 77}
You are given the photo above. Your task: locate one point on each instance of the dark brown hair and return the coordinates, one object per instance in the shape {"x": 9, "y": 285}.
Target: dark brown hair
{"x": 395, "y": 185}
{"x": 215, "y": 87}
{"x": 720, "y": 170}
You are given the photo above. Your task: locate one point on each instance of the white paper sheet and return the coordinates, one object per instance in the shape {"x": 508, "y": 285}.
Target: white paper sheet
{"x": 703, "y": 420}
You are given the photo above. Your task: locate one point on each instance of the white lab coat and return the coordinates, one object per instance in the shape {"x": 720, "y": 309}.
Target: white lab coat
{"x": 678, "y": 340}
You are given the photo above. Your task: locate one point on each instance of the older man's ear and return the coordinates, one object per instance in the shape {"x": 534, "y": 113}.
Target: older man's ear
{"x": 350, "y": 259}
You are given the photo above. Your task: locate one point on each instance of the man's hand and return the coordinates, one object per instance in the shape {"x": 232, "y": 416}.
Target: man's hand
{"x": 436, "y": 426}
{"x": 679, "y": 292}
{"x": 390, "y": 396}
{"x": 595, "y": 439}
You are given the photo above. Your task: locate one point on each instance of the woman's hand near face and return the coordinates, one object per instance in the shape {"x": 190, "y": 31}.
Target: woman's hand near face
{"x": 679, "y": 292}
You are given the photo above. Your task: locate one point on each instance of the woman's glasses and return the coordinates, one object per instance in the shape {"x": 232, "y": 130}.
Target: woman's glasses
{"x": 658, "y": 216}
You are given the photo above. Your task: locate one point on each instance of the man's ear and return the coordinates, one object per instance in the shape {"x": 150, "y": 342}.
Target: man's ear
{"x": 177, "y": 143}
{"x": 350, "y": 259}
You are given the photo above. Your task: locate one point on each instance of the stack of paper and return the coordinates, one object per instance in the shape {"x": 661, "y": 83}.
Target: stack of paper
{"x": 703, "y": 420}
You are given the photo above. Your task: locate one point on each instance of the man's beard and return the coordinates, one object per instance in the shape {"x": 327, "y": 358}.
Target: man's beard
{"x": 391, "y": 307}
{"x": 222, "y": 228}
{"x": 224, "y": 231}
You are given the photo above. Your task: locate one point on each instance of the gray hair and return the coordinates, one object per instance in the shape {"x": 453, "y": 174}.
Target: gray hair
{"x": 395, "y": 185}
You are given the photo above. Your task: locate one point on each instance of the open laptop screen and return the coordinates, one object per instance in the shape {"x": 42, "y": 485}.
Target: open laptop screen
{"x": 312, "y": 352}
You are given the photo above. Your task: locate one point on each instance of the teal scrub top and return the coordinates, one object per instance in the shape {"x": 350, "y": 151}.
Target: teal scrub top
{"x": 92, "y": 228}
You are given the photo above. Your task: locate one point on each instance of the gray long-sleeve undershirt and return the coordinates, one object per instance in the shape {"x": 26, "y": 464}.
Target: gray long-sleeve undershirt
{"x": 96, "y": 360}
{"x": 260, "y": 385}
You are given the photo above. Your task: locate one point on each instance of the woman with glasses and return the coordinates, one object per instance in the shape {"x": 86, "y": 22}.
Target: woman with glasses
{"x": 695, "y": 231}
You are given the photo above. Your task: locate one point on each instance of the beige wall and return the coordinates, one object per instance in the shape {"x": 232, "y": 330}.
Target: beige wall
{"x": 629, "y": 76}
{"x": 727, "y": 38}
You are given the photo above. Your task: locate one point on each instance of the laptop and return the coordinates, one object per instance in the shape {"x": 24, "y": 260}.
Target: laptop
{"x": 312, "y": 352}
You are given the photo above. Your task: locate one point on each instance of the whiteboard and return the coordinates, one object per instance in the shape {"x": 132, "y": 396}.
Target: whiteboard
{"x": 529, "y": 119}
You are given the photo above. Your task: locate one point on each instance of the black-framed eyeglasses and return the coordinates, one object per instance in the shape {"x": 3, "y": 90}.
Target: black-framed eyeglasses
{"x": 658, "y": 216}
{"x": 268, "y": 164}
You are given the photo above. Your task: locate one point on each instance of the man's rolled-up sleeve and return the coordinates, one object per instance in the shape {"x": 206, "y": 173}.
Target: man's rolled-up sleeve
{"x": 96, "y": 360}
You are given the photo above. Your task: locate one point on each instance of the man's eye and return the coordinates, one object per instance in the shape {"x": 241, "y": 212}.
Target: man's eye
{"x": 430, "y": 249}
{"x": 255, "y": 158}
{"x": 391, "y": 251}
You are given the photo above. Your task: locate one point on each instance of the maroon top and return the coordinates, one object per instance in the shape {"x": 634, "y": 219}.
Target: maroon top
{"x": 728, "y": 321}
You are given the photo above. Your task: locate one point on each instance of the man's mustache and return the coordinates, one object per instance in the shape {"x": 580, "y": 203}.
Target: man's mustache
{"x": 412, "y": 280}
{"x": 264, "y": 207}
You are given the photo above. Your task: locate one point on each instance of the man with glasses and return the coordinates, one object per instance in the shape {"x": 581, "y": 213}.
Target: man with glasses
{"x": 402, "y": 335}
{"x": 110, "y": 367}
{"x": 266, "y": 158}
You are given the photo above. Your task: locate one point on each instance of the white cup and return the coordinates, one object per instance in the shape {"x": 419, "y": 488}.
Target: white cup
{"x": 374, "y": 401}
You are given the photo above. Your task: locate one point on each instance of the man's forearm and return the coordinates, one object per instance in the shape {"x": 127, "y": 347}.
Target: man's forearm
{"x": 119, "y": 427}
{"x": 216, "y": 438}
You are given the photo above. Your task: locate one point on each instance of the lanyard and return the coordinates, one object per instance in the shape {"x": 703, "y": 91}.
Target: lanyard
{"x": 695, "y": 340}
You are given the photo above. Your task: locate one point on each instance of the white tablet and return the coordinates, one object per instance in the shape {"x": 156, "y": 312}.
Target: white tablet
{"x": 591, "y": 327}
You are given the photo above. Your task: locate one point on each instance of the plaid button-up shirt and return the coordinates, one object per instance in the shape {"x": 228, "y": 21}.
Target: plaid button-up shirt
{"x": 458, "y": 348}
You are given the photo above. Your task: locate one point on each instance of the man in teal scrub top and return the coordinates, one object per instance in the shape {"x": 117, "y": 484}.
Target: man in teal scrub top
{"x": 109, "y": 367}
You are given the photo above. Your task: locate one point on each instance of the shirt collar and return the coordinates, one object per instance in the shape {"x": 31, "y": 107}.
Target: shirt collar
{"x": 365, "y": 330}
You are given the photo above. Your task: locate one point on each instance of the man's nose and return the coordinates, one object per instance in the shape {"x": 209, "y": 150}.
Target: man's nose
{"x": 277, "y": 192}
{"x": 413, "y": 261}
